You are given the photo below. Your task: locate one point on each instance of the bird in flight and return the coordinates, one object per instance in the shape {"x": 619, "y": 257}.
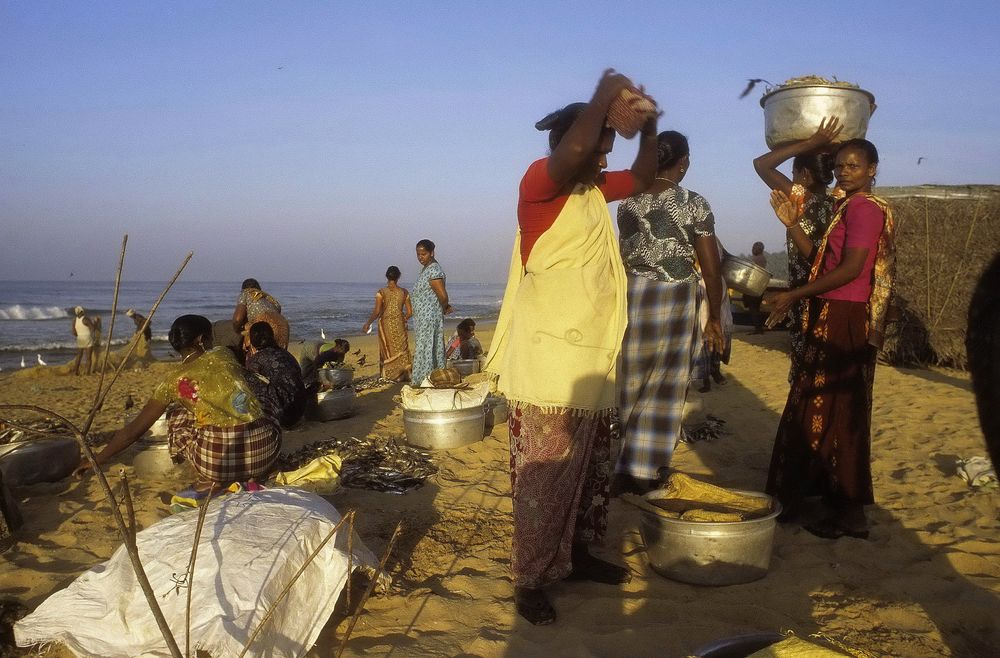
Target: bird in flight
{"x": 920, "y": 159}
{"x": 751, "y": 83}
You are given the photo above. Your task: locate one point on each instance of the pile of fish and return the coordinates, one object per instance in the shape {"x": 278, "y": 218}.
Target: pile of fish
{"x": 710, "y": 429}
{"x": 375, "y": 381}
{"x": 370, "y": 463}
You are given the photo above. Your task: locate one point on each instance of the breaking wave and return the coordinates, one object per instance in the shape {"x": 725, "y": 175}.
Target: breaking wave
{"x": 18, "y": 312}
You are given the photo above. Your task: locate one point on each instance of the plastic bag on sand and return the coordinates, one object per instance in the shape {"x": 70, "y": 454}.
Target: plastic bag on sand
{"x": 251, "y": 546}
{"x": 321, "y": 475}
{"x": 444, "y": 399}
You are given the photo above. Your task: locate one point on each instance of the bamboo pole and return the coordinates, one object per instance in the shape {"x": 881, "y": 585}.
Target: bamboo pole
{"x": 202, "y": 512}
{"x": 132, "y": 551}
{"x": 368, "y": 590}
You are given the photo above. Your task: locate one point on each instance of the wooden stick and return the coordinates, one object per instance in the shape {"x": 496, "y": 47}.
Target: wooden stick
{"x": 127, "y": 495}
{"x": 132, "y": 551}
{"x": 99, "y": 402}
{"x": 202, "y": 512}
{"x": 288, "y": 587}
{"x": 114, "y": 312}
{"x": 368, "y": 590}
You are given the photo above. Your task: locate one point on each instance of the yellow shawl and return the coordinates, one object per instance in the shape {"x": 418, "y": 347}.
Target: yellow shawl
{"x": 563, "y": 316}
{"x": 883, "y": 273}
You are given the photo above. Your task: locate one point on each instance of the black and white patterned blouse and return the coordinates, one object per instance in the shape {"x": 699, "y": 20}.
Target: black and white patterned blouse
{"x": 656, "y": 233}
{"x": 815, "y": 219}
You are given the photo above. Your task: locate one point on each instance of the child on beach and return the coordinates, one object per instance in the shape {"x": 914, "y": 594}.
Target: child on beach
{"x": 464, "y": 344}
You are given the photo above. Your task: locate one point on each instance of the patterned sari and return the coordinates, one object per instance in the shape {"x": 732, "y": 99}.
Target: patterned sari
{"x": 823, "y": 443}
{"x": 393, "y": 342}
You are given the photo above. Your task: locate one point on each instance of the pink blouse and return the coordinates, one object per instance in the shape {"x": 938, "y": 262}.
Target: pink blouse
{"x": 859, "y": 228}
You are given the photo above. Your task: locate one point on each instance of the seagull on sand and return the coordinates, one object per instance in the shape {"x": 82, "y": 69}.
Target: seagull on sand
{"x": 322, "y": 334}
{"x": 40, "y": 361}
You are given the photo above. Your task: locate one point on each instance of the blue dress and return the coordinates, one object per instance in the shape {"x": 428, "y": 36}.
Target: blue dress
{"x": 429, "y": 317}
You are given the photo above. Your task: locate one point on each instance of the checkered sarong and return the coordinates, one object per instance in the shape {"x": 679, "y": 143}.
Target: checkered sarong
{"x": 224, "y": 454}
{"x": 656, "y": 360}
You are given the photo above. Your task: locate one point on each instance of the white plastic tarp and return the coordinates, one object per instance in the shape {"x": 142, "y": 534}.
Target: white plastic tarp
{"x": 251, "y": 546}
{"x": 445, "y": 399}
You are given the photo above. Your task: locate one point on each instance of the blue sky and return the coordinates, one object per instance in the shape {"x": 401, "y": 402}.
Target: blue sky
{"x": 318, "y": 141}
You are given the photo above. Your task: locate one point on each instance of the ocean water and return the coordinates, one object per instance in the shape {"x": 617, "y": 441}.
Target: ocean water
{"x": 36, "y": 316}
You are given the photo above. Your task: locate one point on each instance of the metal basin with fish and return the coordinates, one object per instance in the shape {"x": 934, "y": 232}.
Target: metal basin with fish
{"x": 744, "y": 276}
{"x": 709, "y": 553}
{"x": 442, "y": 430}
{"x": 794, "y": 113}
{"x": 335, "y": 377}
{"x": 335, "y": 404}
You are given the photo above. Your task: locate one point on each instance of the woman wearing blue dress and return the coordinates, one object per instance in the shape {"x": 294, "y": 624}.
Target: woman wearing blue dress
{"x": 430, "y": 304}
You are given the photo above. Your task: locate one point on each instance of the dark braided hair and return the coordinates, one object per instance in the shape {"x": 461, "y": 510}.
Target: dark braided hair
{"x": 671, "y": 146}
{"x": 559, "y": 122}
{"x": 820, "y": 165}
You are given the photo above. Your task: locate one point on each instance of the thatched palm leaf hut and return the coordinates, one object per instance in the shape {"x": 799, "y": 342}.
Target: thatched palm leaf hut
{"x": 946, "y": 235}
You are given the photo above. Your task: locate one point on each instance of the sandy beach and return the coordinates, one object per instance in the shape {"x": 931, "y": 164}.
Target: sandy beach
{"x": 927, "y": 583}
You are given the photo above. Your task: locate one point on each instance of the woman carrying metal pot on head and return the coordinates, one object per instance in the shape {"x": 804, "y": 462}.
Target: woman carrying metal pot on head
{"x": 812, "y": 173}
{"x": 823, "y": 444}
{"x": 557, "y": 341}
{"x": 660, "y": 233}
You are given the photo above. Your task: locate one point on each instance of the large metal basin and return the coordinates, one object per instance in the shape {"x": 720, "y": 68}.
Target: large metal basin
{"x": 442, "y": 430}
{"x": 336, "y": 377}
{"x": 744, "y": 276}
{"x": 496, "y": 410}
{"x": 335, "y": 404}
{"x": 739, "y": 646}
{"x": 465, "y": 366}
{"x": 38, "y": 460}
{"x": 151, "y": 459}
{"x": 703, "y": 553}
{"x": 794, "y": 113}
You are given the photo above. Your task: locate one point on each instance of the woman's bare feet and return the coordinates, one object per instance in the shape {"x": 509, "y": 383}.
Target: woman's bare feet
{"x": 533, "y": 605}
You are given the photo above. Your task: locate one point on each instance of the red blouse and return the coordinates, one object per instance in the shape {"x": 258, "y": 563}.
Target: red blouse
{"x": 539, "y": 201}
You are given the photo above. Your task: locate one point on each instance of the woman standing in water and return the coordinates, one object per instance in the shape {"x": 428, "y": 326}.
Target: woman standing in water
{"x": 812, "y": 173}
{"x": 392, "y": 310}
{"x": 823, "y": 444}
{"x": 556, "y": 345}
{"x": 430, "y": 305}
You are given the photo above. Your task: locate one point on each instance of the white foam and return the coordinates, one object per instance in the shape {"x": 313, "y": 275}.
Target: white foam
{"x": 18, "y": 312}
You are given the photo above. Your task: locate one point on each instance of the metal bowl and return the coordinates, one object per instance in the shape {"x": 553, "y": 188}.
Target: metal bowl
{"x": 739, "y": 646}
{"x": 496, "y": 410}
{"x": 38, "y": 460}
{"x": 744, "y": 276}
{"x": 151, "y": 459}
{"x": 442, "y": 430}
{"x": 794, "y": 113}
{"x": 335, "y": 404}
{"x": 465, "y": 366}
{"x": 336, "y": 377}
{"x": 709, "y": 553}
